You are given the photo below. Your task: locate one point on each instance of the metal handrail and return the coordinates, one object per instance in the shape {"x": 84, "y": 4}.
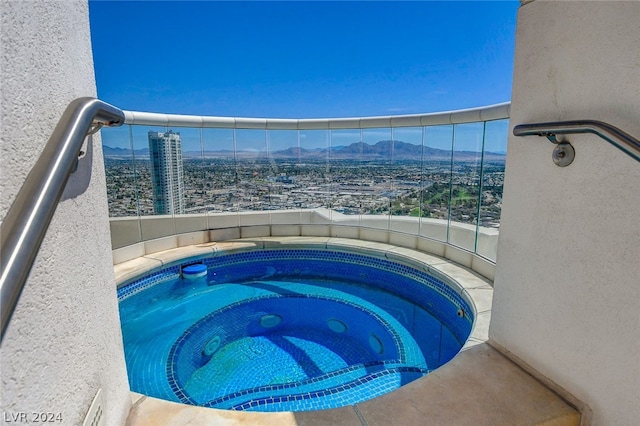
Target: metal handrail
{"x": 606, "y": 131}
{"x": 28, "y": 218}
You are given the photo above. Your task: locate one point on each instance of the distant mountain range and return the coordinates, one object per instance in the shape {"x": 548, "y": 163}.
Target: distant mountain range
{"x": 359, "y": 150}
{"x": 123, "y": 152}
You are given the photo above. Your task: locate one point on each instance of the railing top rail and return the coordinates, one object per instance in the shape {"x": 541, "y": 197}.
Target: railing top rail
{"x": 487, "y": 113}
{"x": 28, "y": 218}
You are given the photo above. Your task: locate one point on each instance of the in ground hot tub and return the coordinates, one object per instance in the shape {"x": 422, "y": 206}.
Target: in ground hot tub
{"x": 288, "y": 329}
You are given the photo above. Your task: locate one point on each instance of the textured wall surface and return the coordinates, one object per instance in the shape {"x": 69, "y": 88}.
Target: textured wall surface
{"x": 568, "y": 273}
{"x": 64, "y": 340}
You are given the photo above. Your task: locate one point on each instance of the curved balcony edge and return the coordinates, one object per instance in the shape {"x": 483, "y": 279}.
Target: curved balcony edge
{"x": 486, "y": 113}
{"x": 134, "y": 237}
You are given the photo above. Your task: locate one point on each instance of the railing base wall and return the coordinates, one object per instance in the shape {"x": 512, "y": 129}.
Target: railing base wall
{"x": 299, "y": 223}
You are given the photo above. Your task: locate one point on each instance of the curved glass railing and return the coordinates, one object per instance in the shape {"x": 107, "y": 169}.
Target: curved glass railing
{"x": 437, "y": 176}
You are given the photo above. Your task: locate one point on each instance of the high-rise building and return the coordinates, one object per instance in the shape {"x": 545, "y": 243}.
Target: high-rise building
{"x": 167, "y": 176}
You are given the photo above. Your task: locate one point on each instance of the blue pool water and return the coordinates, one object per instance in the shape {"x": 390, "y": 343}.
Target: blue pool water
{"x": 287, "y": 330}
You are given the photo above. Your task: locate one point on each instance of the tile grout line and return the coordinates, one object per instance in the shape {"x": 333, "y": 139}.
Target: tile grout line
{"x": 138, "y": 402}
{"x": 363, "y": 422}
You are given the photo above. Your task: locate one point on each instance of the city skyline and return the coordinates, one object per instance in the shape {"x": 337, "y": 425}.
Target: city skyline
{"x": 466, "y": 190}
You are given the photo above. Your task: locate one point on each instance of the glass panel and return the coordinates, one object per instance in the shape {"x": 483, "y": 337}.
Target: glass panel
{"x": 254, "y": 170}
{"x": 122, "y": 192}
{"x": 436, "y": 181}
{"x": 375, "y": 177}
{"x": 493, "y": 163}
{"x": 194, "y": 217}
{"x": 314, "y": 185}
{"x": 406, "y": 178}
{"x": 220, "y": 176}
{"x": 346, "y": 156}
{"x": 122, "y": 196}
{"x": 285, "y": 156}
{"x": 465, "y": 184}
{"x": 193, "y": 168}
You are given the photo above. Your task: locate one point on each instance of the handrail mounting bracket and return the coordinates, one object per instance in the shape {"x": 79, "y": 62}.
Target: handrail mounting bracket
{"x": 552, "y": 137}
{"x": 563, "y": 154}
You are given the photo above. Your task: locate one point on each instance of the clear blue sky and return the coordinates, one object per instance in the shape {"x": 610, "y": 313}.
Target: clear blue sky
{"x": 302, "y": 59}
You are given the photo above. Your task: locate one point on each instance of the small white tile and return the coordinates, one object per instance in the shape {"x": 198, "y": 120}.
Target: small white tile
{"x": 480, "y": 331}
{"x": 124, "y": 254}
{"x": 367, "y": 248}
{"x": 484, "y": 267}
{"x": 370, "y": 234}
{"x": 458, "y": 255}
{"x": 224, "y": 234}
{"x": 233, "y": 246}
{"x": 315, "y": 230}
{"x": 134, "y": 268}
{"x": 178, "y": 255}
{"x": 467, "y": 278}
{"x": 160, "y": 244}
{"x": 156, "y": 227}
{"x": 297, "y": 242}
{"x": 192, "y": 238}
{"x": 223, "y": 220}
{"x": 191, "y": 223}
{"x": 482, "y": 298}
{"x": 255, "y": 231}
{"x": 431, "y": 246}
{"x": 124, "y": 231}
{"x": 403, "y": 240}
{"x": 340, "y": 231}
{"x": 285, "y": 230}
{"x": 398, "y": 254}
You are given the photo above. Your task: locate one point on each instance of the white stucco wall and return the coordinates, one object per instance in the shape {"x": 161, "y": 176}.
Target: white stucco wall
{"x": 64, "y": 340}
{"x": 567, "y": 286}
